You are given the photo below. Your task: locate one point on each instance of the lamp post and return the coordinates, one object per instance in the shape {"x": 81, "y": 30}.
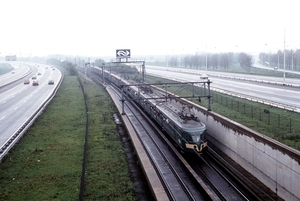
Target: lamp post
{"x": 206, "y": 56}
{"x": 278, "y": 58}
{"x": 284, "y": 57}
{"x": 268, "y": 55}
{"x": 292, "y": 61}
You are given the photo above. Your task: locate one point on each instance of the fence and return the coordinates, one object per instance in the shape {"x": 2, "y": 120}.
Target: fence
{"x": 276, "y": 123}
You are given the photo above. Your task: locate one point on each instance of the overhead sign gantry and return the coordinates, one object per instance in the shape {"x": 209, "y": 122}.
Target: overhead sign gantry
{"x": 123, "y": 53}
{"x": 126, "y": 54}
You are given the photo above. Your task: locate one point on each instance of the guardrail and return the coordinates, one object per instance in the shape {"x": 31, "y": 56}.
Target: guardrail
{"x": 259, "y": 100}
{"x": 260, "y": 81}
{"x": 239, "y": 78}
{"x": 17, "y": 79}
{"x": 239, "y": 95}
{"x": 21, "y": 131}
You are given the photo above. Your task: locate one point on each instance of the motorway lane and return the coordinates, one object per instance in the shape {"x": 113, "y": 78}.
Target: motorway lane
{"x": 232, "y": 75}
{"x": 281, "y": 94}
{"x": 18, "y": 103}
{"x": 20, "y": 70}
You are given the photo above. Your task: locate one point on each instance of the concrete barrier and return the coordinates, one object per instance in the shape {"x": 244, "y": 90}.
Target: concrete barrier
{"x": 273, "y": 163}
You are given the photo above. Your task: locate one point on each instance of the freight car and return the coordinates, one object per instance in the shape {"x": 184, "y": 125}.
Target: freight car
{"x": 175, "y": 118}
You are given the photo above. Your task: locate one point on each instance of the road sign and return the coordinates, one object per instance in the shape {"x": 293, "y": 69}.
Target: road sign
{"x": 123, "y": 53}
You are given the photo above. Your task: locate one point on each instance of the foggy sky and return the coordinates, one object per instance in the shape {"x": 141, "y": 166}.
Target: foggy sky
{"x": 99, "y": 27}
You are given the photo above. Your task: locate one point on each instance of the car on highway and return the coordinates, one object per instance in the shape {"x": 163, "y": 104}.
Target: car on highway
{"x": 39, "y": 73}
{"x": 35, "y": 83}
{"x": 204, "y": 77}
{"x": 26, "y": 81}
{"x": 50, "y": 82}
{"x": 33, "y": 77}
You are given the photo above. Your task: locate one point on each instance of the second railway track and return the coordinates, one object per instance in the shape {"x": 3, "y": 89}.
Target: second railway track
{"x": 181, "y": 179}
{"x": 175, "y": 179}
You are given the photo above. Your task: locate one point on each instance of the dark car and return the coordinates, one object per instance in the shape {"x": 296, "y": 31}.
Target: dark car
{"x": 51, "y": 82}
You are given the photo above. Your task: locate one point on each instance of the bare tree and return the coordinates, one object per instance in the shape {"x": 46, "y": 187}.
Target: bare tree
{"x": 245, "y": 60}
{"x": 215, "y": 61}
{"x": 226, "y": 59}
{"x": 297, "y": 60}
{"x": 98, "y": 62}
{"x": 173, "y": 61}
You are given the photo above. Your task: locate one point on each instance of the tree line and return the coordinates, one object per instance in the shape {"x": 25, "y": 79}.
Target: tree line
{"x": 216, "y": 61}
{"x": 292, "y": 59}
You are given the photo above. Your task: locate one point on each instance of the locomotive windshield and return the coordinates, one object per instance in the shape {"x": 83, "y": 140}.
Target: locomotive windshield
{"x": 193, "y": 137}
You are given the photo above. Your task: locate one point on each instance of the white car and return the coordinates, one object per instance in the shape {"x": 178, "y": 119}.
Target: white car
{"x": 203, "y": 77}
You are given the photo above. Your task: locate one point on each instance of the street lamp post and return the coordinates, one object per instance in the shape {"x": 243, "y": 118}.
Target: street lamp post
{"x": 206, "y": 57}
{"x": 278, "y": 58}
{"x": 268, "y": 56}
{"x": 292, "y": 62}
{"x": 284, "y": 57}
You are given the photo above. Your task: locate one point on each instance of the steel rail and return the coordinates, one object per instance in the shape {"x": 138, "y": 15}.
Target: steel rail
{"x": 176, "y": 175}
{"x": 250, "y": 186}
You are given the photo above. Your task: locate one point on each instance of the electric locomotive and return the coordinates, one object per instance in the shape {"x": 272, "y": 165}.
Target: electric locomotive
{"x": 173, "y": 115}
{"x": 176, "y": 118}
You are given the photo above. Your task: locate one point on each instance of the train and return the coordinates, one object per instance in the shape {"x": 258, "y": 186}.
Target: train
{"x": 176, "y": 118}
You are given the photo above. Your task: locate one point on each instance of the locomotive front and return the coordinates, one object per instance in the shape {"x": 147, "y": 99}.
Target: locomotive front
{"x": 194, "y": 139}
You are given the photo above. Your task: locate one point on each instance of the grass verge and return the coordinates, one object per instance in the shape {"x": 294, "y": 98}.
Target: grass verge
{"x": 5, "y": 67}
{"x": 46, "y": 164}
{"x": 107, "y": 175}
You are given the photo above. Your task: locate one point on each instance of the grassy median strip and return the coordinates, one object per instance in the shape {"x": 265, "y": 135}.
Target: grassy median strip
{"x": 107, "y": 174}
{"x": 46, "y": 164}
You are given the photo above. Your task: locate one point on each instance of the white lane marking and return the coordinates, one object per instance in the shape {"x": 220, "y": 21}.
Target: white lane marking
{"x": 4, "y": 101}
{"x": 15, "y": 108}
{"x": 2, "y": 117}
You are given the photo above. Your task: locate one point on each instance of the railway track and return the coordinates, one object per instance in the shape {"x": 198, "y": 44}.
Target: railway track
{"x": 172, "y": 177}
{"x": 247, "y": 183}
{"x": 218, "y": 179}
{"x": 182, "y": 180}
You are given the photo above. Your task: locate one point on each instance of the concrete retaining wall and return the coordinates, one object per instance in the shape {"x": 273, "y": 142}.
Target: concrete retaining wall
{"x": 274, "y": 164}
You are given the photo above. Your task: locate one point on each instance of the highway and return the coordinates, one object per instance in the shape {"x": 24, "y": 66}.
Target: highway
{"x": 19, "y": 101}
{"x": 19, "y": 72}
{"x": 259, "y": 87}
